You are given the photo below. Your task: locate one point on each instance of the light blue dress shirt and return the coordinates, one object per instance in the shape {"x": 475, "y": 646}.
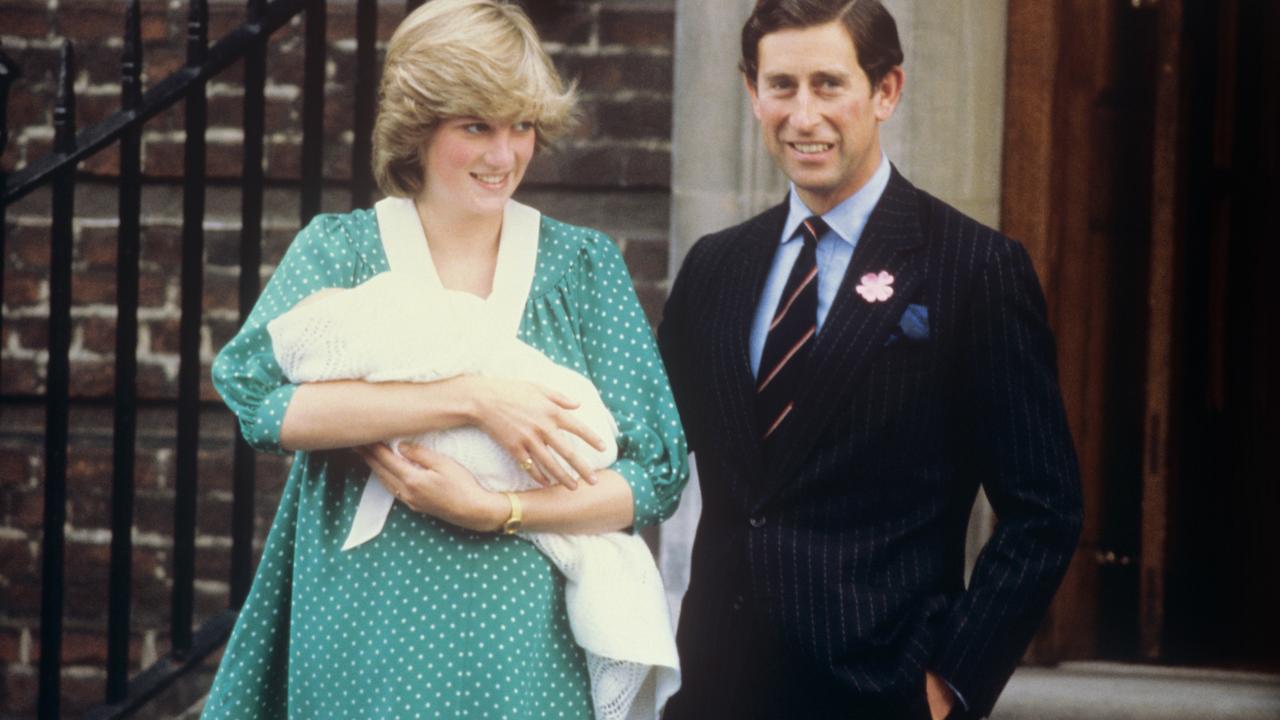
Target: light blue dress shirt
{"x": 835, "y": 249}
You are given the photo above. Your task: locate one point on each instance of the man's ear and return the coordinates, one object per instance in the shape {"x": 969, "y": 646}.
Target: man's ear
{"x": 753, "y": 93}
{"x": 888, "y": 92}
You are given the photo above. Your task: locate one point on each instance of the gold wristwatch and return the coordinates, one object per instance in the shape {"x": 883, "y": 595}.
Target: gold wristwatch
{"x": 513, "y": 523}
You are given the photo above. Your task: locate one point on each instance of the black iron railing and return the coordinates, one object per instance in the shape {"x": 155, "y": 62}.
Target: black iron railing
{"x": 248, "y": 41}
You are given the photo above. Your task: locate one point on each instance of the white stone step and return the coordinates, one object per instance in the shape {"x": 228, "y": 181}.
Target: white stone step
{"x": 1113, "y": 691}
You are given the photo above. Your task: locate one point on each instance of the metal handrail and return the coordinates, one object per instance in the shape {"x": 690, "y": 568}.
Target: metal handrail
{"x": 248, "y": 41}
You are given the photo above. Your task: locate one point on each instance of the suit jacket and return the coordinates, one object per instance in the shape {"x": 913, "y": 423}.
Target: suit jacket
{"x": 827, "y": 577}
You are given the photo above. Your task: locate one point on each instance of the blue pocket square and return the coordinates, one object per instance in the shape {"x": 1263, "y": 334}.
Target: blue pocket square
{"x": 913, "y": 325}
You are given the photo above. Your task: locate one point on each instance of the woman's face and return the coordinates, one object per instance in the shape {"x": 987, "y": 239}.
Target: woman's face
{"x": 475, "y": 165}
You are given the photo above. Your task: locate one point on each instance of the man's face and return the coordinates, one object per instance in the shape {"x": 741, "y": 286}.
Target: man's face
{"x": 818, "y": 112}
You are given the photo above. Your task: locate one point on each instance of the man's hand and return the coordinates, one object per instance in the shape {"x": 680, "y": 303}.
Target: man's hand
{"x": 939, "y": 695}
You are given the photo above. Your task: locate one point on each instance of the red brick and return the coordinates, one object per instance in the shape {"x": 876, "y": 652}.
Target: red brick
{"x": 222, "y": 248}
{"x": 100, "y": 61}
{"x": 104, "y": 163}
{"x": 99, "y": 334}
{"x": 223, "y": 18}
{"x": 154, "y": 384}
{"x": 24, "y": 289}
{"x": 285, "y": 58}
{"x": 558, "y": 24}
{"x": 214, "y": 468}
{"x": 32, "y": 332}
{"x": 224, "y": 160}
{"x": 92, "y": 378}
{"x": 35, "y": 148}
{"x": 80, "y": 692}
{"x": 637, "y": 28}
{"x": 647, "y": 259}
{"x": 93, "y": 20}
{"x": 21, "y": 570}
{"x": 284, "y": 160}
{"x": 28, "y": 108}
{"x": 165, "y": 335}
{"x": 27, "y": 21}
{"x": 87, "y": 646}
{"x": 646, "y": 168}
{"x": 88, "y": 470}
{"x": 221, "y": 292}
{"x": 97, "y": 247}
{"x": 39, "y": 64}
{"x": 86, "y": 585}
{"x": 207, "y": 391}
{"x": 337, "y": 160}
{"x": 226, "y": 110}
{"x": 158, "y": 64}
{"x": 342, "y": 21}
{"x": 162, "y": 246}
{"x": 162, "y": 158}
{"x": 14, "y": 467}
{"x": 27, "y": 248}
{"x": 635, "y": 118}
{"x": 21, "y": 377}
{"x": 154, "y": 21}
{"x": 275, "y": 241}
{"x": 94, "y": 287}
{"x": 153, "y": 512}
{"x": 601, "y": 74}
{"x": 11, "y": 645}
{"x": 20, "y": 688}
{"x": 153, "y": 287}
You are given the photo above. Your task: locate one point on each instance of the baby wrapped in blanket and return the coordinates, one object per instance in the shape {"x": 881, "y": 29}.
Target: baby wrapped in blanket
{"x": 613, "y": 592}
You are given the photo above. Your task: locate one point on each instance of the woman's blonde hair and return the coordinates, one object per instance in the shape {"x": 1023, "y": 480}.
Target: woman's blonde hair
{"x": 461, "y": 58}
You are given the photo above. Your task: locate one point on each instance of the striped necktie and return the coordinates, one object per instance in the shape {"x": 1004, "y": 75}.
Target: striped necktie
{"x": 791, "y": 335}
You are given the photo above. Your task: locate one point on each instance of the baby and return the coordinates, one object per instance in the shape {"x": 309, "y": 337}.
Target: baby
{"x": 394, "y": 328}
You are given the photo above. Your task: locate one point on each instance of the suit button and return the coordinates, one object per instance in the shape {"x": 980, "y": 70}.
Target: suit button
{"x": 757, "y": 521}
{"x": 738, "y": 602}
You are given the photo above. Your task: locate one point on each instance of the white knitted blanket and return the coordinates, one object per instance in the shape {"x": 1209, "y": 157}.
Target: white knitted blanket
{"x": 397, "y": 328}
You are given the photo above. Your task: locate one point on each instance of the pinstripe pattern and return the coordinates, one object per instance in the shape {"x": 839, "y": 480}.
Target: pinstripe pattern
{"x": 825, "y": 581}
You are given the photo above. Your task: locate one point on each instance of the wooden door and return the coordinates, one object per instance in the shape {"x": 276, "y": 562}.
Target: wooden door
{"x": 1141, "y": 172}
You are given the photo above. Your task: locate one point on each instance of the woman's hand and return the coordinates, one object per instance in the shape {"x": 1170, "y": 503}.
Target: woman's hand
{"x": 434, "y": 484}
{"x": 524, "y": 418}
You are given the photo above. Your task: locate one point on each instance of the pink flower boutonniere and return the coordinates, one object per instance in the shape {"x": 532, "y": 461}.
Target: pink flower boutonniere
{"x": 876, "y": 287}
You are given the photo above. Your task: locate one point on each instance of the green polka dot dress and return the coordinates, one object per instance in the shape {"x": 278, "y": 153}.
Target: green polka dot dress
{"x": 428, "y": 620}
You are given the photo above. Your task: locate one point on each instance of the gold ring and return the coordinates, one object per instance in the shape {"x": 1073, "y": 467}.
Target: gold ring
{"x": 527, "y": 464}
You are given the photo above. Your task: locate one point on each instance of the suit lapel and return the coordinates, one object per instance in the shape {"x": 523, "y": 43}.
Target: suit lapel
{"x": 854, "y": 329}
{"x": 744, "y": 273}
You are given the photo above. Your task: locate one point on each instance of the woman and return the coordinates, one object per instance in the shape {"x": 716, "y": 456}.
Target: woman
{"x": 442, "y": 614}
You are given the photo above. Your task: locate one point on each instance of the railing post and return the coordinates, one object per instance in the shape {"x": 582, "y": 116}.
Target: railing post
{"x": 9, "y": 72}
{"x": 125, "y": 418}
{"x": 365, "y": 103}
{"x": 313, "y": 112}
{"x": 184, "y": 531}
{"x": 57, "y": 389}
{"x": 255, "y": 73}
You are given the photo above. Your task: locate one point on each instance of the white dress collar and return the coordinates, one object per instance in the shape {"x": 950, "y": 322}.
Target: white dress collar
{"x": 405, "y": 244}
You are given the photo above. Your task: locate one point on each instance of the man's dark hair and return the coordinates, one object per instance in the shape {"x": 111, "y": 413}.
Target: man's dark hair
{"x": 874, "y": 33}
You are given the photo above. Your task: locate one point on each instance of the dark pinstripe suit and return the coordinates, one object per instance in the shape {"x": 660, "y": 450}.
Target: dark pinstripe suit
{"x": 826, "y": 580}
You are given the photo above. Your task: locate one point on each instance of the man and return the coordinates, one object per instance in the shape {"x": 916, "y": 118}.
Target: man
{"x": 850, "y": 366}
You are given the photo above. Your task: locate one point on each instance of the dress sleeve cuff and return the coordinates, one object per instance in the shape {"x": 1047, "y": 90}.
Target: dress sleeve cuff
{"x": 647, "y": 511}
{"x": 263, "y": 433}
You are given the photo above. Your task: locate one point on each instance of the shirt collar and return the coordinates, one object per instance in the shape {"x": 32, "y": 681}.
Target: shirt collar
{"x": 848, "y": 218}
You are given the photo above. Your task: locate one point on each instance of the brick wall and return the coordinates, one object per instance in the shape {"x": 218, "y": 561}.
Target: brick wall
{"x": 613, "y": 173}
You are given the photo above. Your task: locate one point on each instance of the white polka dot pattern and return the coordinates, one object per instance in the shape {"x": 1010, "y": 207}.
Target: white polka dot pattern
{"x": 428, "y": 620}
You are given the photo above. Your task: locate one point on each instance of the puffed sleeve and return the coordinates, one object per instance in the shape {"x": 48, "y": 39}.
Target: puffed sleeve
{"x": 624, "y": 364}
{"x": 245, "y": 372}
